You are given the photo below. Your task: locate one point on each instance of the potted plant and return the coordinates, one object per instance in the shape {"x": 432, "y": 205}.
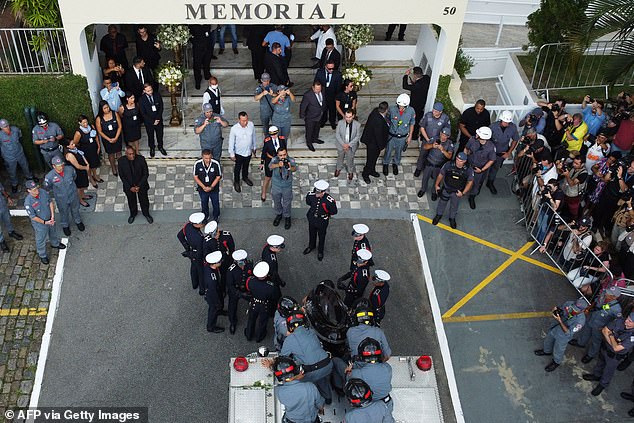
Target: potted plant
{"x": 353, "y": 37}
{"x": 171, "y": 76}
{"x": 359, "y": 75}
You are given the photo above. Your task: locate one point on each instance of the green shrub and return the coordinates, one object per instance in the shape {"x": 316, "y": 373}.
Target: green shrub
{"x": 63, "y": 98}
{"x": 442, "y": 95}
{"x": 554, "y": 21}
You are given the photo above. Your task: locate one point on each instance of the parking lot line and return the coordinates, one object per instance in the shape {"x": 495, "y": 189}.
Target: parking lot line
{"x": 501, "y": 316}
{"x": 24, "y": 311}
{"x": 479, "y": 287}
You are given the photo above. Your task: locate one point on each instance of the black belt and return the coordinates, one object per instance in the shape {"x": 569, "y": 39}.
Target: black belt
{"x": 314, "y": 367}
{"x": 49, "y": 149}
{"x": 386, "y": 399}
{"x": 398, "y": 136}
{"x": 612, "y": 354}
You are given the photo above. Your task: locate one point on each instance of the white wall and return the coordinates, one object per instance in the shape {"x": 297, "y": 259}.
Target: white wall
{"x": 507, "y": 12}
{"x": 385, "y": 52}
{"x": 516, "y": 83}
{"x": 426, "y": 46}
{"x": 489, "y": 62}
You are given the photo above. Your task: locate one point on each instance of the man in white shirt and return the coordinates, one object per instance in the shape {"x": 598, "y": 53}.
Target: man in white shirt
{"x": 241, "y": 147}
{"x": 321, "y": 35}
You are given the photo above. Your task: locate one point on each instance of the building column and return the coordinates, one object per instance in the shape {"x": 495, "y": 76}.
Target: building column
{"x": 443, "y": 59}
{"x": 81, "y": 62}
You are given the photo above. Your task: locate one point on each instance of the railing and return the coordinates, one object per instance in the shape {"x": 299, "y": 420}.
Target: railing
{"x": 519, "y": 112}
{"x": 184, "y": 92}
{"x": 33, "y": 50}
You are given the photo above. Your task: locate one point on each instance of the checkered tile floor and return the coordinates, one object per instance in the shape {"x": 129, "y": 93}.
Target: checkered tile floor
{"x": 172, "y": 188}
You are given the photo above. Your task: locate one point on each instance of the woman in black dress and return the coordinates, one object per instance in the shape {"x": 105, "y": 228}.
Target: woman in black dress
{"x": 108, "y": 126}
{"x": 131, "y": 119}
{"x": 75, "y": 158}
{"x": 86, "y": 140}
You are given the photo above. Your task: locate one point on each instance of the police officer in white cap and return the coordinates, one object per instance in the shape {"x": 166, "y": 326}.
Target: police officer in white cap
{"x": 262, "y": 288}
{"x": 379, "y": 293}
{"x": 480, "y": 156}
{"x": 191, "y": 237}
{"x": 219, "y": 240}
{"x": 236, "y": 278}
{"x": 212, "y": 282}
{"x": 320, "y": 207}
{"x": 359, "y": 278}
{"x": 274, "y": 245}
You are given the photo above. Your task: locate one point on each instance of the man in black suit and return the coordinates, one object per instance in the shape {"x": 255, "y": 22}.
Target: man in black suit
{"x": 275, "y": 65}
{"x": 331, "y": 81}
{"x": 375, "y": 136}
{"x": 254, "y": 36}
{"x": 113, "y": 44}
{"x": 151, "y": 105}
{"x": 201, "y": 49}
{"x": 138, "y": 75}
{"x": 330, "y": 52}
{"x": 312, "y": 107}
{"x": 134, "y": 173}
{"x": 419, "y": 87}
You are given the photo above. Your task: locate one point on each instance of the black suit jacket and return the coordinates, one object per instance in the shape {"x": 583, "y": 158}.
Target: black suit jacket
{"x": 336, "y": 80}
{"x": 276, "y": 67}
{"x": 133, "y": 84}
{"x": 418, "y": 96}
{"x": 133, "y": 173}
{"x": 149, "y": 116}
{"x": 376, "y": 131}
{"x": 335, "y": 56}
{"x": 309, "y": 108}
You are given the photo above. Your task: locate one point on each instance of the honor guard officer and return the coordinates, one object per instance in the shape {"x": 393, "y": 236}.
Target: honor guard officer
{"x": 13, "y": 153}
{"x": 361, "y": 242}
{"x": 237, "y": 274}
{"x": 262, "y": 288}
{"x": 505, "y": 137}
{"x": 285, "y": 307}
{"x": 362, "y": 317}
{"x": 217, "y": 240}
{"x": 41, "y": 211}
{"x": 191, "y": 237}
{"x": 359, "y": 278}
{"x": 61, "y": 182}
{"x": 481, "y": 156}
{"x": 364, "y": 409}
{"x": 212, "y": 288}
{"x": 618, "y": 341}
{"x": 5, "y": 220}
{"x": 274, "y": 244}
{"x": 320, "y": 207}
{"x": 440, "y": 152}
{"x": 570, "y": 319}
{"x": 46, "y": 135}
{"x": 303, "y": 345}
{"x": 604, "y": 310}
{"x": 379, "y": 294}
{"x": 453, "y": 182}
{"x": 302, "y": 401}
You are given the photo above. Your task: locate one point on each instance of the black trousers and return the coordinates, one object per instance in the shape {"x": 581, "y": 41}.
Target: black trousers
{"x": 392, "y": 27}
{"x": 241, "y": 166}
{"x": 257, "y": 321}
{"x": 212, "y": 312}
{"x": 202, "y": 61}
{"x": 419, "y": 115}
{"x": 317, "y": 230}
{"x": 150, "y": 130}
{"x": 312, "y": 131}
{"x": 257, "y": 61}
{"x": 372, "y": 156}
{"x": 234, "y": 300}
{"x": 330, "y": 114}
{"x": 143, "y": 200}
{"x": 196, "y": 273}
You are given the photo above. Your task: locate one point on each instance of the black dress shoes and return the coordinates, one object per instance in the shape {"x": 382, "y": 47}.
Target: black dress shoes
{"x": 44, "y": 260}
{"x": 162, "y": 150}
{"x": 277, "y": 220}
{"x": 386, "y": 170}
{"x": 247, "y": 181}
{"x": 287, "y": 223}
{"x": 597, "y": 390}
{"x": 59, "y": 247}
{"x": 416, "y": 173}
{"x": 66, "y": 231}
{"x": 310, "y": 147}
{"x": 149, "y": 219}
{"x": 81, "y": 227}
{"x": 472, "y": 202}
{"x": 492, "y": 188}
{"x": 552, "y": 366}
{"x": 318, "y": 141}
{"x": 375, "y": 174}
{"x": 152, "y": 152}
{"x": 436, "y": 219}
{"x": 320, "y": 256}
{"x": 237, "y": 187}
{"x": 452, "y": 223}
{"x": 131, "y": 219}
{"x": 395, "y": 169}
{"x": 586, "y": 359}
{"x": 307, "y": 250}
{"x": 216, "y": 329}
{"x": 590, "y": 377}
{"x": 541, "y": 352}
{"x": 366, "y": 179}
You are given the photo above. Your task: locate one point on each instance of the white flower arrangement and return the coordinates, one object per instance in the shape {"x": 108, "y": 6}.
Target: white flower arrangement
{"x": 359, "y": 75}
{"x": 170, "y": 75}
{"x": 354, "y": 37}
{"x": 173, "y": 36}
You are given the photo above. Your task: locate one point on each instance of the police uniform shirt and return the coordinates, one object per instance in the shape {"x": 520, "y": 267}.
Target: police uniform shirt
{"x": 502, "y": 137}
{"x": 301, "y": 400}
{"x": 282, "y": 176}
{"x": 191, "y": 238}
{"x": 52, "y": 130}
{"x": 434, "y": 126}
{"x": 266, "y": 106}
{"x": 379, "y": 294}
{"x": 346, "y": 100}
{"x": 450, "y": 178}
{"x": 320, "y": 209}
{"x": 435, "y": 157}
{"x": 10, "y": 143}
{"x": 573, "y": 320}
{"x": 480, "y": 154}
{"x": 358, "y": 333}
{"x": 207, "y": 174}
{"x": 61, "y": 184}
{"x": 604, "y": 313}
{"x": 376, "y": 411}
{"x": 623, "y": 336}
{"x": 304, "y": 346}
{"x": 279, "y": 325}
{"x": 377, "y": 375}
{"x": 213, "y": 131}
{"x": 400, "y": 121}
{"x": 38, "y": 206}
{"x": 270, "y": 147}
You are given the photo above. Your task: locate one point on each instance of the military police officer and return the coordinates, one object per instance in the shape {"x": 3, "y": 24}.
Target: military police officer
{"x": 380, "y": 292}
{"x": 218, "y": 240}
{"x": 262, "y": 289}
{"x": 481, "y": 156}
{"x": 370, "y": 367}
{"x": 41, "y": 211}
{"x": 5, "y": 220}
{"x": 209, "y": 127}
{"x": 212, "y": 282}
{"x": 12, "y": 153}
{"x": 302, "y": 401}
{"x": 271, "y": 145}
{"x": 237, "y": 274}
{"x": 263, "y": 94}
{"x": 191, "y": 237}
{"x": 504, "y": 137}
{"x": 431, "y": 126}
{"x": 454, "y": 180}
{"x": 359, "y": 278}
{"x": 321, "y": 206}
{"x": 570, "y": 319}
{"x": 364, "y": 409}
{"x": 61, "y": 182}
{"x": 285, "y": 307}
{"x": 274, "y": 244}
{"x": 46, "y": 135}
{"x": 440, "y": 150}
{"x": 364, "y": 326}
{"x": 401, "y": 118}
{"x": 282, "y": 167}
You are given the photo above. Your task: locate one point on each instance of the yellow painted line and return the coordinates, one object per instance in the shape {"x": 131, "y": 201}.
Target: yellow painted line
{"x": 479, "y": 287}
{"x": 502, "y": 316}
{"x": 491, "y": 245}
{"x": 25, "y": 311}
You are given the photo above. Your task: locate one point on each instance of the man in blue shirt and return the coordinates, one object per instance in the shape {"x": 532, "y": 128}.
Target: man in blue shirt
{"x": 277, "y": 36}
{"x": 593, "y": 116}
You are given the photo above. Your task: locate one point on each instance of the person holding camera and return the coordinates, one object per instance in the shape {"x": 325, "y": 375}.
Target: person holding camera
{"x": 623, "y": 140}
{"x": 440, "y": 152}
{"x": 570, "y": 318}
{"x": 282, "y": 168}
{"x": 209, "y": 127}
{"x": 549, "y": 195}
{"x": 598, "y": 150}
{"x": 623, "y": 218}
{"x": 621, "y": 180}
{"x": 535, "y": 119}
{"x": 112, "y": 93}
{"x": 573, "y": 184}
{"x": 593, "y": 115}
{"x": 575, "y": 130}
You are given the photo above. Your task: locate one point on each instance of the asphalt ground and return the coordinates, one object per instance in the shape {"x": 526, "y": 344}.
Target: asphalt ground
{"x": 492, "y": 335}
{"x": 130, "y": 331}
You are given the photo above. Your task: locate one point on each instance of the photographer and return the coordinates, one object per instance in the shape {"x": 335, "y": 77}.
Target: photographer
{"x": 282, "y": 167}
{"x": 621, "y": 179}
{"x": 624, "y": 138}
{"x": 597, "y": 151}
{"x": 535, "y": 119}
{"x": 549, "y": 195}
{"x": 573, "y": 184}
{"x": 552, "y": 112}
{"x": 623, "y": 218}
{"x": 593, "y": 116}
{"x": 575, "y": 130}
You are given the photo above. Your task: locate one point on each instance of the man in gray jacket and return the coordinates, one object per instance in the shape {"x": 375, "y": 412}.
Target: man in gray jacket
{"x": 347, "y": 134}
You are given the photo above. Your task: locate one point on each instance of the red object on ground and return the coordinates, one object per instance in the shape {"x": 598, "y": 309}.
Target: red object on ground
{"x": 240, "y": 364}
{"x": 424, "y": 362}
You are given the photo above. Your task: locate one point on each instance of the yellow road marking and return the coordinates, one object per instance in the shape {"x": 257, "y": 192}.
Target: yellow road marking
{"x": 492, "y": 245}
{"x": 479, "y": 287}
{"x": 502, "y": 316}
{"x": 25, "y": 311}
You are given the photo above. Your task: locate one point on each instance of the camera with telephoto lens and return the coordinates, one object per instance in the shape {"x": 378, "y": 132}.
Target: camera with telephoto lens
{"x": 555, "y": 108}
{"x": 558, "y": 312}
{"x": 286, "y": 163}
